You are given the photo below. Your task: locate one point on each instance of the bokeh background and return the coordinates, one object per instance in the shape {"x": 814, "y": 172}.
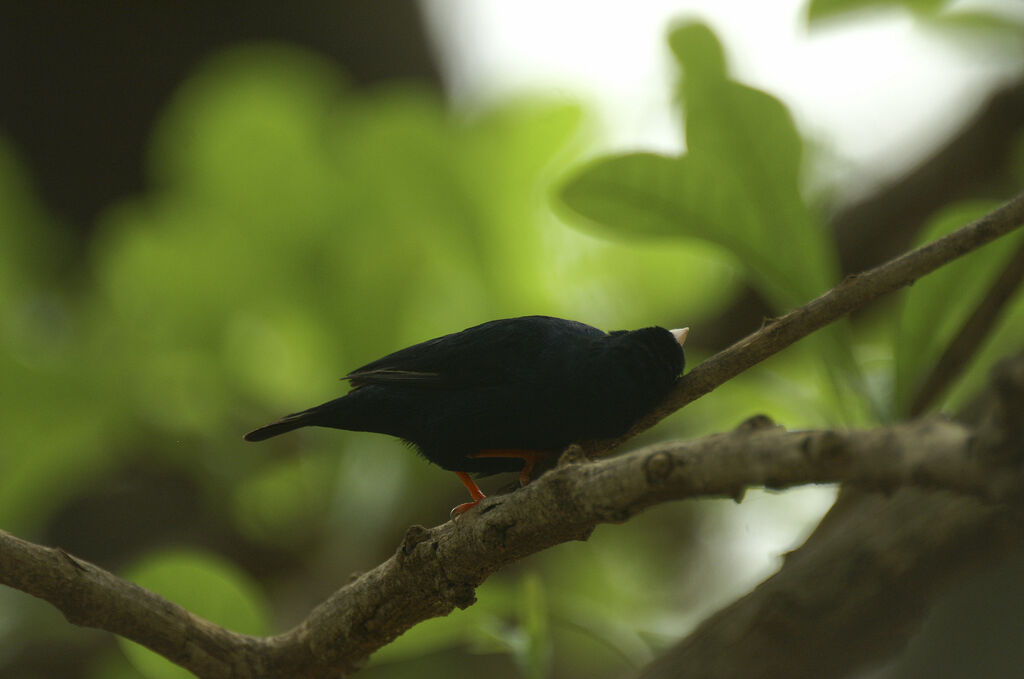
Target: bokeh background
{"x": 211, "y": 211}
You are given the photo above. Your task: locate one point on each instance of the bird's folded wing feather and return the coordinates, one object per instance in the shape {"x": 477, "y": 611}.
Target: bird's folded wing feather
{"x": 491, "y": 354}
{"x": 449, "y": 362}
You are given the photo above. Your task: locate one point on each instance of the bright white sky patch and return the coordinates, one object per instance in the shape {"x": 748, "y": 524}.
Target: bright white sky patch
{"x": 877, "y": 92}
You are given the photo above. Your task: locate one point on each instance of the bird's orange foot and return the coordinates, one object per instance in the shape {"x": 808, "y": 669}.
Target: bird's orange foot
{"x": 474, "y": 491}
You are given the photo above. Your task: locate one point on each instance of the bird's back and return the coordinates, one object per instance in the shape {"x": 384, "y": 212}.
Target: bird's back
{"x": 532, "y": 383}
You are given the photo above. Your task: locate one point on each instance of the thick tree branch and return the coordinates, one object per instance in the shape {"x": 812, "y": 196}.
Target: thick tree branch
{"x": 89, "y": 596}
{"x": 436, "y": 570}
{"x": 857, "y": 590}
{"x": 853, "y": 594}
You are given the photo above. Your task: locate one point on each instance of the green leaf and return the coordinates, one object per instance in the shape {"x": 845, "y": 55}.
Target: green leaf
{"x": 997, "y": 34}
{"x": 935, "y": 308}
{"x": 827, "y": 9}
{"x": 696, "y": 47}
{"x": 737, "y": 187}
{"x": 205, "y": 585}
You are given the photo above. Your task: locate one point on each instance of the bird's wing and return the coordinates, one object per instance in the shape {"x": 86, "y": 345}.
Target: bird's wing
{"x": 490, "y": 354}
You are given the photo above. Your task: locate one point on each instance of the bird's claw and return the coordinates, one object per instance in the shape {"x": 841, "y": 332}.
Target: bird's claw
{"x": 459, "y": 510}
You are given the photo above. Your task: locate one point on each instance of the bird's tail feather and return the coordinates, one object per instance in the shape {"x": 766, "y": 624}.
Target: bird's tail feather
{"x": 337, "y": 414}
{"x": 287, "y": 423}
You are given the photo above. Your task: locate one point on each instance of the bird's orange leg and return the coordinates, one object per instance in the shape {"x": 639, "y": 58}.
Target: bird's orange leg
{"x": 529, "y": 458}
{"x": 474, "y": 491}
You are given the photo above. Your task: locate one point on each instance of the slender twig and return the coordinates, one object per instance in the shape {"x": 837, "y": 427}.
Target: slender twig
{"x": 974, "y": 331}
{"x": 854, "y": 292}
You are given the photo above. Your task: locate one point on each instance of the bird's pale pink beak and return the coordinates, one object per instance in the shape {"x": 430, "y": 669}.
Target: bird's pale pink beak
{"x": 680, "y": 334}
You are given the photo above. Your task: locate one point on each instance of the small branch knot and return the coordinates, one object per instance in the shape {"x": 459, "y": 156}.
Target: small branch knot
{"x": 414, "y": 535}
{"x": 658, "y": 467}
{"x": 757, "y": 423}
{"x": 75, "y": 563}
{"x": 574, "y": 454}
{"x": 459, "y": 595}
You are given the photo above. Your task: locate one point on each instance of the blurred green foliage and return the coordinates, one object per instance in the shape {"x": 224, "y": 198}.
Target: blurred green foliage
{"x": 296, "y": 228}
{"x": 821, "y": 9}
{"x": 935, "y": 308}
{"x": 980, "y": 22}
{"x": 205, "y": 585}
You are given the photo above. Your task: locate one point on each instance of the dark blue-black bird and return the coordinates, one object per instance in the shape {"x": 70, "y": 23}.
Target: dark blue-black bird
{"x": 503, "y": 395}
